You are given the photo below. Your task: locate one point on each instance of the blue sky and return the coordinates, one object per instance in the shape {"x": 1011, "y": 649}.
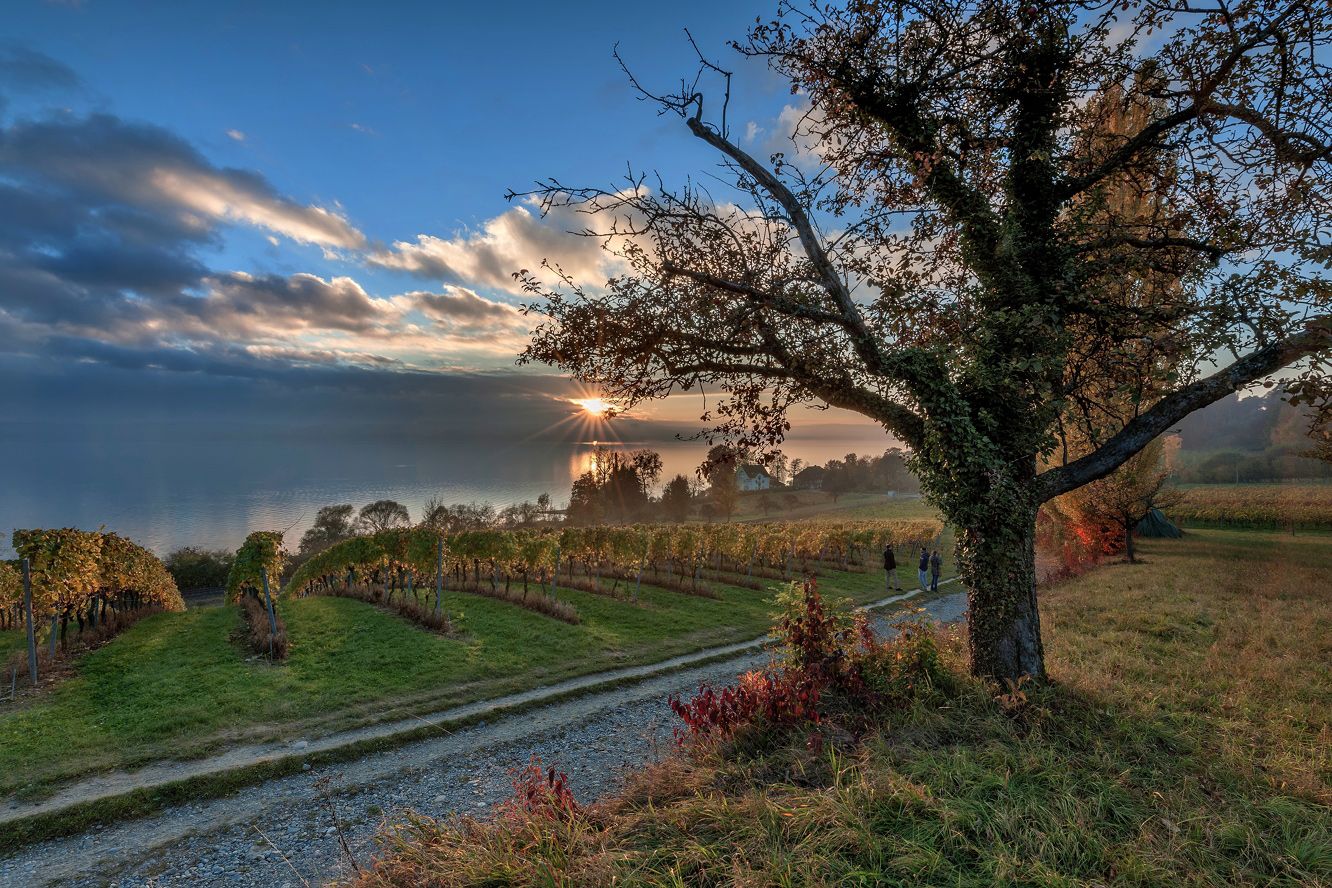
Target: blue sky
{"x": 215, "y": 205}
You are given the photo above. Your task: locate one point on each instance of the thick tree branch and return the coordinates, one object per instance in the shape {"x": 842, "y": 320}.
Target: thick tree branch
{"x": 1174, "y": 407}
{"x": 864, "y": 342}
{"x": 1202, "y": 103}
{"x": 1212, "y": 251}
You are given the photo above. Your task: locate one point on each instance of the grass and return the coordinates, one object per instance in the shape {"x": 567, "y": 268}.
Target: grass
{"x": 12, "y": 640}
{"x": 1185, "y": 738}
{"x": 179, "y": 685}
{"x": 817, "y": 503}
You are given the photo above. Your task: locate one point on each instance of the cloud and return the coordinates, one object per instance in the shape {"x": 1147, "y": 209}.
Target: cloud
{"x": 236, "y": 134}
{"x": 362, "y": 129}
{"x": 790, "y": 133}
{"x": 463, "y": 306}
{"x": 103, "y": 224}
{"x": 28, "y": 70}
{"x": 102, "y": 160}
{"x": 240, "y": 306}
{"x": 514, "y": 240}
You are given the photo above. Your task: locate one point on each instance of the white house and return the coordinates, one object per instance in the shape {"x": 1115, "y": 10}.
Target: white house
{"x": 753, "y": 478}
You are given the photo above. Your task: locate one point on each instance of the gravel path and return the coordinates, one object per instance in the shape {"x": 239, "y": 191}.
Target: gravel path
{"x": 281, "y": 833}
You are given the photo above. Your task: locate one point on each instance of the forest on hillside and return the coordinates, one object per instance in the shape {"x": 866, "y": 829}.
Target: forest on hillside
{"x": 1246, "y": 440}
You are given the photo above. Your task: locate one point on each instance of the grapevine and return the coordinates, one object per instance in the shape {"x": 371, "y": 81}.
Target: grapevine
{"x": 488, "y": 562}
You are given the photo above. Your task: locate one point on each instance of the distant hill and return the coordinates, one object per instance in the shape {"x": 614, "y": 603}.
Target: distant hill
{"x": 1249, "y": 439}
{"x": 1251, "y": 424}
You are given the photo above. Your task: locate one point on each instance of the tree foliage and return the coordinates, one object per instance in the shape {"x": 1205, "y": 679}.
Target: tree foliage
{"x": 615, "y": 488}
{"x": 1010, "y": 217}
{"x": 382, "y": 514}
{"x": 332, "y": 524}
{"x": 196, "y": 568}
{"x": 1128, "y": 494}
{"x": 675, "y": 499}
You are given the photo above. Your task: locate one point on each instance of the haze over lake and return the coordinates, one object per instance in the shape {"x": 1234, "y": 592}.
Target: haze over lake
{"x": 194, "y": 485}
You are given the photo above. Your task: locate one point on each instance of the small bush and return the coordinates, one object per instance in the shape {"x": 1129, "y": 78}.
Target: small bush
{"x": 833, "y": 673}
{"x": 195, "y": 568}
{"x": 543, "y": 794}
{"x": 261, "y": 638}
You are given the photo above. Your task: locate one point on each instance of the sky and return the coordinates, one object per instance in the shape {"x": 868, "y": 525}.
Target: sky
{"x": 292, "y": 213}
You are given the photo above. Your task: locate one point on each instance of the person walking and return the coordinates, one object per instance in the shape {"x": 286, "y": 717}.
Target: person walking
{"x": 924, "y": 568}
{"x": 890, "y": 566}
{"x": 936, "y": 565}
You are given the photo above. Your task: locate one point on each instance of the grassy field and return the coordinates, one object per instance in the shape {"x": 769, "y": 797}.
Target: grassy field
{"x": 177, "y": 685}
{"x": 1185, "y": 739}
{"x": 816, "y": 503}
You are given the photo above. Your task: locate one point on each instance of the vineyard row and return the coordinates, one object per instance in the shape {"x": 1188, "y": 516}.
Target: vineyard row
{"x": 83, "y": 576}
{"x": 679, "y": 553}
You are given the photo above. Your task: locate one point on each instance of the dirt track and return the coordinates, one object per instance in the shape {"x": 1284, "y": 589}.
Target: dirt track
{"x": 282, "y": 832}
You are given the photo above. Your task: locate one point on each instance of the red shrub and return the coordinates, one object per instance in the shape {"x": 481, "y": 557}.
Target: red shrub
{"x": 540, "y": 793}
{"x": 835, "y": 667}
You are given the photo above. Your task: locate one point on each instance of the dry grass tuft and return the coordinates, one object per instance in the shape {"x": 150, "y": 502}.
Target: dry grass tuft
{"x": 262, "y": 639}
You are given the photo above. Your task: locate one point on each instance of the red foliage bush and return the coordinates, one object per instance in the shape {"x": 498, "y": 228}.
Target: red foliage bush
{"x": 836, "y": 668}
{"x": 539, "y": 793}
{"x": 1074, "y": 543}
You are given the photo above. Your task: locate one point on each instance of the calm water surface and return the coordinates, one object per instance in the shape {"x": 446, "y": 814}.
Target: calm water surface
{"x": 173, "y": 489}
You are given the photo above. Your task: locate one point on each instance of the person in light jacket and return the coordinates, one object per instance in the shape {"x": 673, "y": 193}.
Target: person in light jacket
{"x": 924, "y": 568}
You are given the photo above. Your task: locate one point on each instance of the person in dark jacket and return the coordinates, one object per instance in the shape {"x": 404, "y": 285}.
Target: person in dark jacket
{"x": 924, "y": 568}
{"x": 890, "y": 566}
{"x": 936, "y": 565}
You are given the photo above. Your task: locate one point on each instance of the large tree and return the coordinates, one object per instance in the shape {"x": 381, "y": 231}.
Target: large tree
{"x": 332, "y": 524}
{"x": 952, "y": 254}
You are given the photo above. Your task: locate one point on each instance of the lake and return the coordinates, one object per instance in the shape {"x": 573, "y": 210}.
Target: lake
{"x": 167, "y": 487}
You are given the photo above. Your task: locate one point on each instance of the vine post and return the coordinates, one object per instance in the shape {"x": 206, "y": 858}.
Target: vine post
{"x": 268, "y": 600}
{"x": 641, "y": 564}
{"x": 750, "y": 573}
{"x": 555, "y": 579}
{"x": 439, "y": 575}
{"x": 32, "y": 633}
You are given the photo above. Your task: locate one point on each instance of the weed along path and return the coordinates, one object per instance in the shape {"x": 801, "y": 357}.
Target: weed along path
{"x": 290, "y": 830}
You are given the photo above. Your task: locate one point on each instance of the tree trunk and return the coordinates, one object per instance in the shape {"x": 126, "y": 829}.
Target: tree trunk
{"x": 1128, "y": 543}
{"x": 998, "y": 564}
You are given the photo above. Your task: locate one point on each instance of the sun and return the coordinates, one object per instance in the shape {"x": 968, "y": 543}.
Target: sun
{"x": 596, "y": 407}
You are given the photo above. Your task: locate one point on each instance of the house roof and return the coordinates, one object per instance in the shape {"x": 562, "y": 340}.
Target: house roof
{"x": 755, "y": 471}
{"x": 812, "y": 472}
